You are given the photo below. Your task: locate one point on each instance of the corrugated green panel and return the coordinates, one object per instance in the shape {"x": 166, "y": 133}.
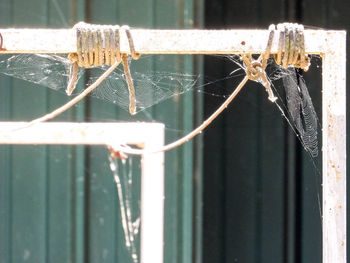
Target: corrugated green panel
{"x": 197, "y": 214}
{"x": 178, "y": 116}
{"x": 232, "y": 200}
{"x": 175, "y": 113}
{"x": 38, "y": 183}
{"x": 49, "y": 213}
{"x": 28, "y": 177}
{"x": 271, "y": 175}
{"x": 263, "y": 206}
{"x": 5, "y": 204}
{"x": 5, "y": 154}
{"x": 244, "y": 165}
{"x": 60, "y": 167}
{"x": 77, "y": 12}
{"x": 105, "y": 237}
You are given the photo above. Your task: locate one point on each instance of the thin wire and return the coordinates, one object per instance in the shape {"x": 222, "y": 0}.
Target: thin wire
{"x": 132, "y": 99}
{"x": 199, "y": 129}
{"x": 75, "y": 100}
{"x": 255, "y": 70}
{"x": 252, "y": 72}
{"x": 89, "y": 52}
{"x": 291, "y": 46}
{"x": 73, "y": 74}
{"x": 267, "y": 53}
{"x": 1, "y": 41}
{"x": 134, "y": 54}
{"x": 86, "y": 42}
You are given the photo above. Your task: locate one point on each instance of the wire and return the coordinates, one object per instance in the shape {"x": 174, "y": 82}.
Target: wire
{"x": 89, "y": 52}
{"x": 199, "y": 129}
{"x": 76, "y": 99}
{"x": 291, "y": 51}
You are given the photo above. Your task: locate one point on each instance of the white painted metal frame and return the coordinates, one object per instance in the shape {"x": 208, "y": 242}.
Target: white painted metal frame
{"x": 150, "y": 41}
{"x": 334, "y": 147}
{"x": 145, "y": 135}
{"x": 329, "y": 44}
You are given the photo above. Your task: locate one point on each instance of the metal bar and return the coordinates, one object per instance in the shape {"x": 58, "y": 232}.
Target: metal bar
{"x": 76, "y": 133}
{"x": 334, "y": 148}
{"x": 152, "y": 166}
{"x": 150, "y": 41}
{"x": 152, "y": 207}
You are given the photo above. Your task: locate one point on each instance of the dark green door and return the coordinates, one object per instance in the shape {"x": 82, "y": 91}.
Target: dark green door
{"x": 262, "y": 192}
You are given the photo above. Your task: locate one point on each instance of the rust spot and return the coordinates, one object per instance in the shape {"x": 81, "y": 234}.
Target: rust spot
{"x": 2, "y": 43}
{"x": 338, "y": 174}
{"x": 117, "y": 154}
{"x": 243, "y": 43}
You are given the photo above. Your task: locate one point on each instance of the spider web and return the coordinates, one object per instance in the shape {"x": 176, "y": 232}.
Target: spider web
{"x": 297, "y": 108}
{"x": 301, "y": 110}
{"x": 296, "y": 104}
{"x": 54, "y": 72}
{"x": 129, "y": 203}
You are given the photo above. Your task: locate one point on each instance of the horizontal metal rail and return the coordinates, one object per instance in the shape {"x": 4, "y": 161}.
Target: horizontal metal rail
{"x": 150, "y": 41}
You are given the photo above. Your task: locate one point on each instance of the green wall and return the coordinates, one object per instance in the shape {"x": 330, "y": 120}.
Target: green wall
{"x": 54, "y": 198}
{"x": 262, "y": 192}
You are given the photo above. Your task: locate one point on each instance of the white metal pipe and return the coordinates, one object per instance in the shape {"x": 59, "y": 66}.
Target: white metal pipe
{"x": 97, "y": 133}
{"x": 152, "y": 207}
{"x": 334, "y": 148}
{"x": 150, "y": 41}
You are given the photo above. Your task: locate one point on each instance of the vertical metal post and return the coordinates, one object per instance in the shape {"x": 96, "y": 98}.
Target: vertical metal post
{"x": 152, "y": 200}
{"x": 334, "y": 147}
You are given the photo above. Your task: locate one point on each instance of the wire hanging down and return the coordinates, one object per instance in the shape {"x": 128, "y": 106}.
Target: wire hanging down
{"x": 291, "y": 53}
{"x": 291, "y": 46}
{"x": 87, "y": 56}
{"x": 99, "y": 45}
